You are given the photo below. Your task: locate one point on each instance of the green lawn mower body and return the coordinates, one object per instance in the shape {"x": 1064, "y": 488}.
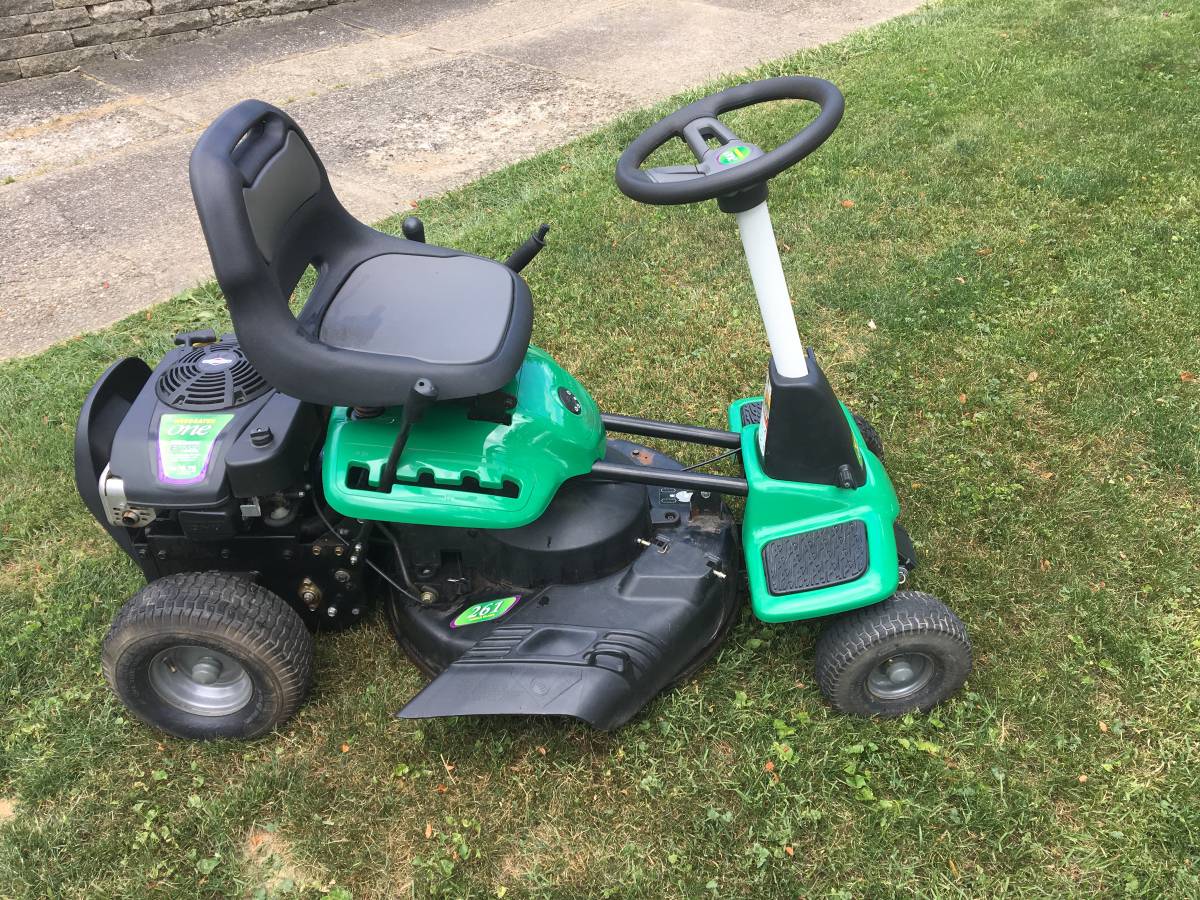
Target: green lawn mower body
{"x": 816, "y": 550}
{"x": 399, "y": 440}
{"x": 514, "y": 470}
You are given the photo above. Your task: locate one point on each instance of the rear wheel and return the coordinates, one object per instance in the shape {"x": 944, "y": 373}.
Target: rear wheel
{"x": 906, "y": 654}
{"x": 206, "y": 655}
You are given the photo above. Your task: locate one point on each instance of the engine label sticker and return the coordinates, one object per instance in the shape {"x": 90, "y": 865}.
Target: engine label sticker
{"x": 185, "y": 445}
{"x": 485, "y": 612}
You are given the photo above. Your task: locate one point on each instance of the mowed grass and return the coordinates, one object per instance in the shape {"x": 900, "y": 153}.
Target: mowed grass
{"x": 996, "y": 257}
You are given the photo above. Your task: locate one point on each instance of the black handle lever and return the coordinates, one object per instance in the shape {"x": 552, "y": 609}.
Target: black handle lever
{"x": 199, "y": 336}
{"x": 523, "y": 255}
{"x": 414, "y": 229}
{"x": 420, "y": 397}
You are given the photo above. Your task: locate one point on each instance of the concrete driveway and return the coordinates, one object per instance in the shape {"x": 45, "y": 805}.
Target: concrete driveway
{"x": 96, "y": 217}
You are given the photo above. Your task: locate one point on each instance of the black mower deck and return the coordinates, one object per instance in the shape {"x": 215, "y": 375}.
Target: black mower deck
{"x": 597, "y": 649}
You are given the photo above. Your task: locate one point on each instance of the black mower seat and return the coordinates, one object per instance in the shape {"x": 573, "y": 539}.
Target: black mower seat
{"x": 385, "y": 313}
{"x": 449, "y": 310}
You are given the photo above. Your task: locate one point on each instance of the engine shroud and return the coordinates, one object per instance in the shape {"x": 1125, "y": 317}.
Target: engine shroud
{"x": 188, "y": 441}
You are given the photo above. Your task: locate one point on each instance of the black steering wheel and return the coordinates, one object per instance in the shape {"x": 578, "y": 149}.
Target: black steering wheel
{"x": 735, "y": 166}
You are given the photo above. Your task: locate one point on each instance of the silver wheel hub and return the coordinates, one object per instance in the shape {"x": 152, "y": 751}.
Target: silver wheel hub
{"x": 206, "y": 671}
{"x": 900, "y": 676}
{"x": 200, "y": 680}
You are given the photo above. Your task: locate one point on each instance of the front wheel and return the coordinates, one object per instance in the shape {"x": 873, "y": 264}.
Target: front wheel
{"x": 870, "y": 435}
{"x": 206, "y": 655}
{"x": 905, "y": 654}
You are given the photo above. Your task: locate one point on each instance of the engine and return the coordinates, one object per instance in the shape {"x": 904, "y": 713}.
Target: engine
{"x": 201, "y": 464}
{"x": 210, "y": 443}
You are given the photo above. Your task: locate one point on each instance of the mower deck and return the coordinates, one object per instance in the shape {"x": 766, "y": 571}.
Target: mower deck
{"x": 596, "y": 649}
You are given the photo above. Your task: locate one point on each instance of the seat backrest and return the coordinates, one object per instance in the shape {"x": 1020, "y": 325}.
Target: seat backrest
{"x": 259, "y": 188}
{"x": 268, "y": 212}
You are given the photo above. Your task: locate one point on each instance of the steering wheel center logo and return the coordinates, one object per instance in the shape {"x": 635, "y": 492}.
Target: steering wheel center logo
{"x": 734, "y": 155}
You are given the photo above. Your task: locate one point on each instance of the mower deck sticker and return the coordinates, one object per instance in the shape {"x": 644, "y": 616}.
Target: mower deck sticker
{"x": 485, "y": 612}
{"x": 185, "y": 444}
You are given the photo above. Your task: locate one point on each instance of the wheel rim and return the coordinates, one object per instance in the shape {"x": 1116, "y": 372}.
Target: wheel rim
{"x": 200, "y": 680}
{"x": 900, "y": 676}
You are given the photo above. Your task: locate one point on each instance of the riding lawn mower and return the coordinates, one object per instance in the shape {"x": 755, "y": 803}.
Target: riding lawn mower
{"x": 399, "y": 443}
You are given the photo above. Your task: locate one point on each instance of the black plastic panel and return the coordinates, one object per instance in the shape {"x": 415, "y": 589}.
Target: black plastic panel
{"x": 258, "y": 469}
{"x": 104, "y": 409}
{"x": 808, "y": 438}
{"x": 816, "y": 559}
{"x": 597, "y": 651}
{"x": 236, "y": 467}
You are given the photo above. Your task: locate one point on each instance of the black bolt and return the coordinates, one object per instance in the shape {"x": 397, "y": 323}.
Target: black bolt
{"x": 288, "y": 554}
{"x": 225, "y": 554}
{"x": 161, "y": 554}
{"x": 261, "y": 437}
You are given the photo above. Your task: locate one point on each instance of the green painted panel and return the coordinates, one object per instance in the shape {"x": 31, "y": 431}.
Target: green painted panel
{"x": 777, "y": 509}
{"x": 544, "y": 446}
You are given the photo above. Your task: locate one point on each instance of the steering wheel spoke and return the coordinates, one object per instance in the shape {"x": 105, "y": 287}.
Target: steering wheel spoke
{"x": 697, "y": 133}
{"x": 733, "y": 166}
{"x": 666, "y": 174}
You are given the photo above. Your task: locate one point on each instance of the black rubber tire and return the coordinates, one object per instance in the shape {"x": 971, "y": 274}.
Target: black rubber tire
{"x": 870, "y": 436}
{"x": 853, "y": 644}
{"x": 225, "y": 613}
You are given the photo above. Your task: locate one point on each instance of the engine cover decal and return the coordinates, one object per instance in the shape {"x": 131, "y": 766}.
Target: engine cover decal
{"x": 185, "y": 445}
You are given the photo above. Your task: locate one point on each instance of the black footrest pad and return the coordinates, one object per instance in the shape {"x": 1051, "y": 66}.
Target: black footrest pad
{"x": 816, "y": 559}
{"x": 752, "y": 413}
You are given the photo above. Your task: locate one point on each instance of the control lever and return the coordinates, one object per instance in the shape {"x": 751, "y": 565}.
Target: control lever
{"x": 420, "y": 397}
{"x": 523, "y": 255}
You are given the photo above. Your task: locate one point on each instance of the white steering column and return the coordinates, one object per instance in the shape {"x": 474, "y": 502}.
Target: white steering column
{"x": 774, "y": 301}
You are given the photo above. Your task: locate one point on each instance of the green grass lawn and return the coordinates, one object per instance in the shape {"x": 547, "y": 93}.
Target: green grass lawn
{"x": 996, "y": 257}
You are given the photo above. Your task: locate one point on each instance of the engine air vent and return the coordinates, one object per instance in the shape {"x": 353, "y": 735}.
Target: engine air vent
{"x": 211, "y": 377}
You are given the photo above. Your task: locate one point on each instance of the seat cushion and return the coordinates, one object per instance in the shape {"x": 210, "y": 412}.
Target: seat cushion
{"x": 448, "y": 310}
